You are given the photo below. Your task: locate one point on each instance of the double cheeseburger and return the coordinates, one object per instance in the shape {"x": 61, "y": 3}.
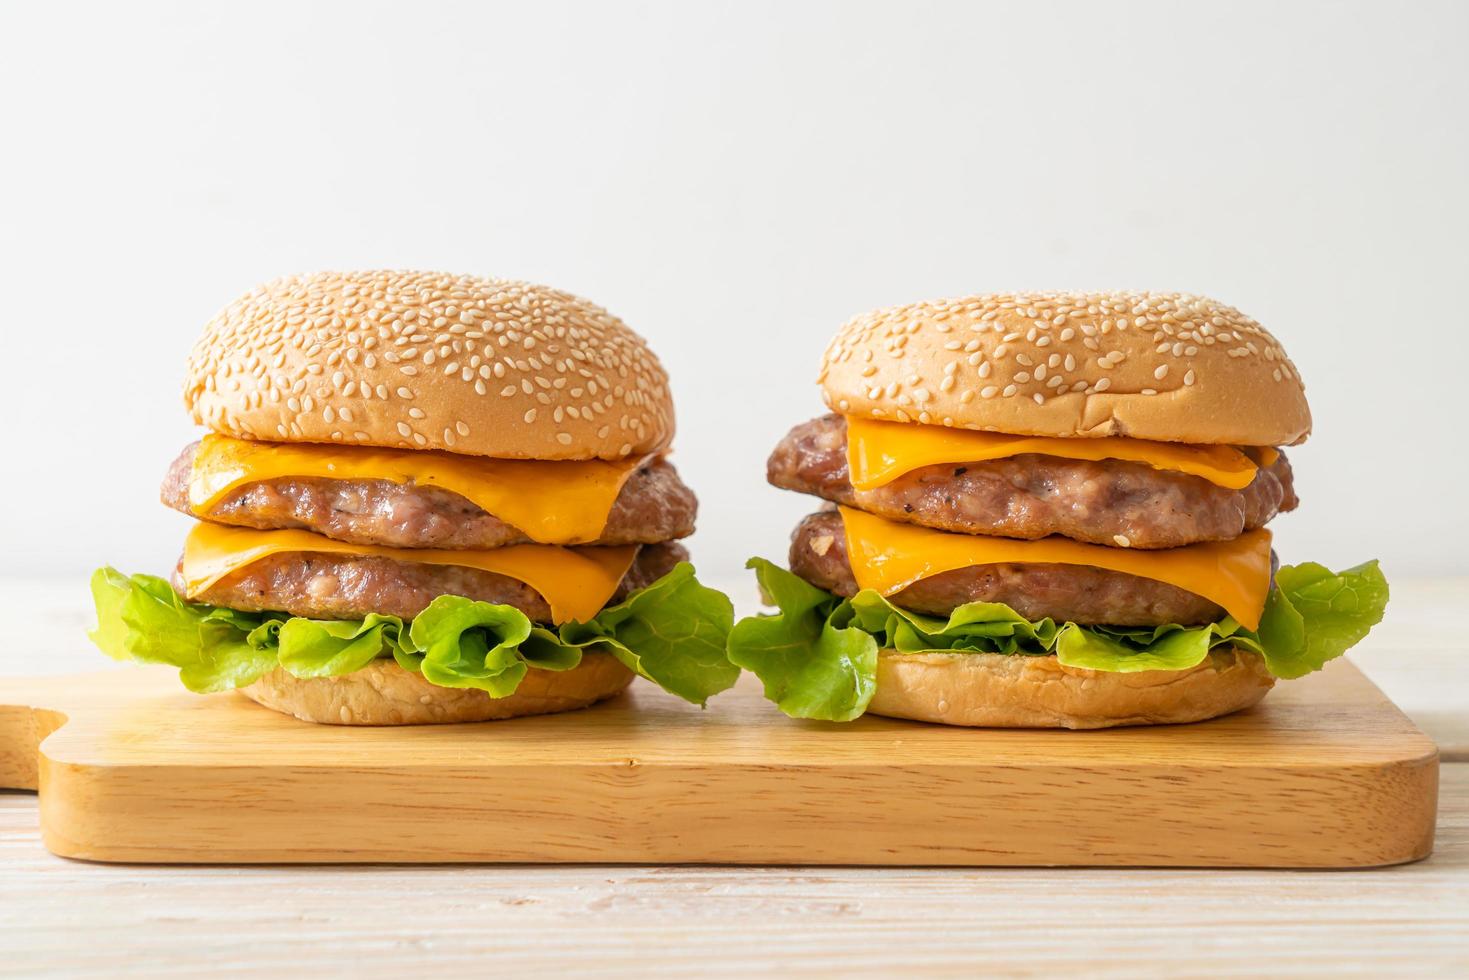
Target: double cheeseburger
{"x": 424, "y": 498}
{"x": 1047, "y": 510}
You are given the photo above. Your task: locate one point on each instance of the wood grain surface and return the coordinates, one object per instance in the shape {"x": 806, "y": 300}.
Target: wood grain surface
{"x": 1325, "y": 773}
{"x": 78, "y": 919}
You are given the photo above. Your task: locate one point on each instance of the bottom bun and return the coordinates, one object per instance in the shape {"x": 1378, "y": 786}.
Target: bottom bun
{"x": 385, "y": 694}
{"x": 994, "y": 690}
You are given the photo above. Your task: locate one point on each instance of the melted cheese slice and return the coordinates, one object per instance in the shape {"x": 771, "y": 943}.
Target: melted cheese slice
{"x": 553, "y": 502}
{"x": 887, "y": 557}
{"x": 880, "y": 452}
{"x": 575, "y": 582}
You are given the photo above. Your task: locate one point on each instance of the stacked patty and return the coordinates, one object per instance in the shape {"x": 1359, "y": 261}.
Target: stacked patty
{"x": 1114, "y": 503}
{"x": 653, "y": 510}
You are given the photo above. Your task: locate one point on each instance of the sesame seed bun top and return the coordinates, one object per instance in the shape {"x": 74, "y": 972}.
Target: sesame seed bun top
{"x": 1164, "y": 366}
{"x": 423, "y": 360}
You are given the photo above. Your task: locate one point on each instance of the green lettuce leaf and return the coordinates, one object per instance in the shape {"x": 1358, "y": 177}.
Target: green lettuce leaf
{"x": 813, "y": 659}
{"x": 673, "y": 632}
{"x": 471, "y": 644}
{"x": 817, "y": 655}
{"x": 1166, "y": 648}
{"x": 986, "y": 627}
{"x": 110, "y": 589}
{"x": 330, "y": 648}
{"x": 1313, "y": 615}
{"x": 142, "y": 618}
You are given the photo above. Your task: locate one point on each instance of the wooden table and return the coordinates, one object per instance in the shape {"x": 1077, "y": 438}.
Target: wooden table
{"x": 82, "y": 919}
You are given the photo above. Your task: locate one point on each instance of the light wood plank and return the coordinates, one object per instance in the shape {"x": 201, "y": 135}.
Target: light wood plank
{"x": 81, "y": 919}
{"x": 1325, "y": 773}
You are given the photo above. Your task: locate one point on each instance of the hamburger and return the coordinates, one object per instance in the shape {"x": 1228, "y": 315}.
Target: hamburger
{"x": 424, "y": 498}
{"x": 1047, "y": 510}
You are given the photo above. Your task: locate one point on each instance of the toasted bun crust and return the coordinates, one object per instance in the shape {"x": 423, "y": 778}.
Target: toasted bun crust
{"x": 1162, "y": 366}
{"x": 487, "y": 367}
{"x": 385, "y": 694}
{"x": 993, "y": 690}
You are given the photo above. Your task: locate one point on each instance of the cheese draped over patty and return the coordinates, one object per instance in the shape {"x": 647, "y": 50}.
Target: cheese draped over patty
{"x": 575, "y": 582}
{"x": 552, "y": 502}
{"x": 880, "y": 452}
{"x": 887, "y": 557}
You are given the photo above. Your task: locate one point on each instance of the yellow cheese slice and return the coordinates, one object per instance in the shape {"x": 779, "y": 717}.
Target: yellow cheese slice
{"x": 880, "y": 452}
{"x": 888, "y": 557}
{"x": 553, "y": 502}
{"x": 575, "y": 582}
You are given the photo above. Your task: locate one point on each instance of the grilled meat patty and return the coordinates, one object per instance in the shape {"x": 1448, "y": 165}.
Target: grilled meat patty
{"x": 1079, "y": 593}
{"x": 655, "y": 505}
{"x": 321, "y": 585}
{"x": 1110, "y": 502}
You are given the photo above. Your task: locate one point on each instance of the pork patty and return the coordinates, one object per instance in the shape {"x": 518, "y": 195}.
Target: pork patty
{"x": 655, "y": 505}
{"x": 321, "y": 585}
{"x": 1030, "y": 496}
{"x": 1078, "y": 593}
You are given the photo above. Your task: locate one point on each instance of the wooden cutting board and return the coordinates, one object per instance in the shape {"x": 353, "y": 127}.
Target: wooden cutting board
{"x": 130, "y": 767}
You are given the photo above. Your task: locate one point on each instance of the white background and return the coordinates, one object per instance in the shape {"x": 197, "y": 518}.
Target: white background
{"x": 735, "y": 180}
